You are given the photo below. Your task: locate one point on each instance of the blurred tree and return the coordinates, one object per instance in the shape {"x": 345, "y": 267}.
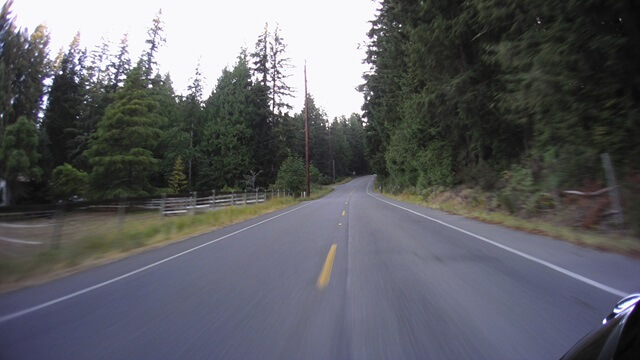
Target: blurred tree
{"x": 63, "y": 116}
{"x": 155, "y": 40}
{"x": 68, "y": 181}
{"x": 19, "y": 157}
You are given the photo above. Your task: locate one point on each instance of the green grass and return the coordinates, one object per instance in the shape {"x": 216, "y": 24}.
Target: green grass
{"x": 617, "y": 243}
{"x": 143, "y": 233}
{"x": 318, "y": 191}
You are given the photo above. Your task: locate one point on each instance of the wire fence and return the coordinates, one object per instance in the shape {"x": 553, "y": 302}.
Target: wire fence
{"x": 29, "y": 229}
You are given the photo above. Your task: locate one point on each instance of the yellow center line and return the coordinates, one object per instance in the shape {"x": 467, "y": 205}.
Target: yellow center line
{"x": 325, "y": 274}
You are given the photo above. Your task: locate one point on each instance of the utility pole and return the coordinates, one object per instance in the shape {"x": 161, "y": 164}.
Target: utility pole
{"x": 306, "y": 127}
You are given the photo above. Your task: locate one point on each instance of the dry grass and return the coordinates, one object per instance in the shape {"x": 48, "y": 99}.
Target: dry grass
{"x": 103, "y": 244}
{"x": 460, "y": 204}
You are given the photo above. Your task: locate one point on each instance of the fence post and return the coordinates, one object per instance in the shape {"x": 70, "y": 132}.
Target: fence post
{"x": 194, "y": 202}
{"x": 278, "y": 193}
{"x": 121, "y": 212}
{"x": 57, "y": 227}
{"x": 233, "y": 198}
{"x": 616, "y": 206}
{"x": 256, "y": 196}
{"x": 213, "y": 199}
{"x": 163, "y": 204}
{"x": 245, "y": 197}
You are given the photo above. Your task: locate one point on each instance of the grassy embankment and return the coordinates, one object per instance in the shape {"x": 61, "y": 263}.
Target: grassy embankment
{"x": 468, "y": 205}
{"x": 136, "y": 236}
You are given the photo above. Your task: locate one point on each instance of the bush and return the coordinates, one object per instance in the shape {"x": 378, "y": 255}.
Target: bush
{"x": 292, "y": 175}
{"x": 69, "y": 181}
{"x": 517, "y": 190}
{"x": 435, "y": 166}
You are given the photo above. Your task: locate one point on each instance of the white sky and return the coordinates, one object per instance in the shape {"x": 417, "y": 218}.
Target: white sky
{"x": 325, "y": 33}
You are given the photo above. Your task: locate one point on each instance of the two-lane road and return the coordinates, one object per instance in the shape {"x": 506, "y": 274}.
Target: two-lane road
{"x": 351, "y": 276}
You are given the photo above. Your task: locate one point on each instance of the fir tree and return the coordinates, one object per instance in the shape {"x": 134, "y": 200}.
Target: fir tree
{"x": 260, "y": 58}
{"x": 62, "y": 121}
{"x": 155, "y": 40}
{"x": 279, "y": 64}
{"x": 177, "y": 180}
{"x": 121, "y": 151}
{"x": 120, "y": 65}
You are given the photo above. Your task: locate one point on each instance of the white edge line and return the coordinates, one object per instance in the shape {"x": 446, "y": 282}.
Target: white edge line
{"x": 20, "y": 241}
{"x": 514, "y": 251}
{"x": 91, "y": 288}
{"x": 24, "y": 225}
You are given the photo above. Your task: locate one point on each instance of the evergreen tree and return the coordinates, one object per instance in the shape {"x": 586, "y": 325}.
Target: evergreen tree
{"x": 177, "y": 180}
{"x": 260, "y": 58}
{"x": 279, "y": 64}
{"x": 120, "y": 65}
{"x": 192, "y": 113}
{"x": 225, "y": 153}
{"x": 155, "y": 40}
{"x": 62, "y": 121}
{"x": 121, "y": 151}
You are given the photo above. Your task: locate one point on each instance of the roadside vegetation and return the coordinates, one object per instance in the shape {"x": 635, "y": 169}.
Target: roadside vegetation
{"x": 511, "y": 103}
{"x": 138, "y": 234}
{"x": 564, "y": 223}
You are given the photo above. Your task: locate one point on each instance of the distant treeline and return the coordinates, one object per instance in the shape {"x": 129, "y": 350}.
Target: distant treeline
{"x": 503, "y": 94}
{"x": 95, "y": 124}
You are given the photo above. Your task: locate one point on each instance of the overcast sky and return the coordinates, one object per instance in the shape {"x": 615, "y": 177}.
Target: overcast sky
{"x": 325, "y": 33}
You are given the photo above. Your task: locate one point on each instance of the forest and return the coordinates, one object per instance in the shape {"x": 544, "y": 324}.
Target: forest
{"x": 515, "y": 97}
{"x": 97, "y": 124}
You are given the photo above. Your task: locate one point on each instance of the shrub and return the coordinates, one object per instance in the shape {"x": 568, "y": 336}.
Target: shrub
{"x": 292, "y": 175}
{"x": 68, "y": 181}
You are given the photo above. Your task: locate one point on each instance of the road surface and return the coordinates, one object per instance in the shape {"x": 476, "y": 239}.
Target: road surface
{"x": 351, "y": 276}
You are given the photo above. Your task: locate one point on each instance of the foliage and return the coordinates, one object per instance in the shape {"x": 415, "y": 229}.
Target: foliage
{"x": 471, "y": 88}
{"x": 224, "y": 154}
{"x": 19, "y": 156}
{"x": 68, "y": 181}
{"x": 155, "y": 40}
{"x": 178, "y": 180}
{"x": 62, "y": 121}
{"x": 292, "y": 175}
{"x": 120, "y": 152}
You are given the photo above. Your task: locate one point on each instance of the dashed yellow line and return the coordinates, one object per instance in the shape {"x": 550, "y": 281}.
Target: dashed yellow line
{"x": 325, "y": 274}
{"x": 344, "y": 212}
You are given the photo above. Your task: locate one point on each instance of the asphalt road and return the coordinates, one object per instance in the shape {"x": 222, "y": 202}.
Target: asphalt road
{"x": 406, "y": 283}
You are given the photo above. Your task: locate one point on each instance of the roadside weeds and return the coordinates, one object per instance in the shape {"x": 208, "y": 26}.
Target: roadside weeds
{"x": 616, "y": 243}
{"x": 106, "y": 247}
